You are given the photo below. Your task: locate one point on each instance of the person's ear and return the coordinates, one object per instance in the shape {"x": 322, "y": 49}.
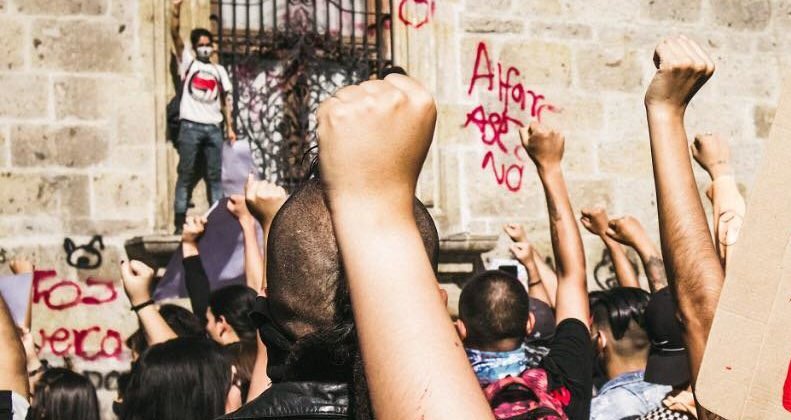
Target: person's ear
{"x": 222, "y": 324}
{"x": 601, "y": 342}
{"x": 531, "y": 324}
{"x": 461, "y": 329}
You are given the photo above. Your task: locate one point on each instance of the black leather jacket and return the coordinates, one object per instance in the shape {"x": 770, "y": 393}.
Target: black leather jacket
{"x": 297, "y": 400}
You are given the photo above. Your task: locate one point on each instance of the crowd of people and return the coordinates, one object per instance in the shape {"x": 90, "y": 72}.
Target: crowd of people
{"x": 341, "y": 315}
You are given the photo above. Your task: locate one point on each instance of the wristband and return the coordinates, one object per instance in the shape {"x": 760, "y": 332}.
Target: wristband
{"x": 137, "y": 308}
{"x": 534, "y": 284}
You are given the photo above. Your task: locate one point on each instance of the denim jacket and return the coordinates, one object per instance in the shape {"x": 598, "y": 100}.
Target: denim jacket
{"x": 627, "y": 395}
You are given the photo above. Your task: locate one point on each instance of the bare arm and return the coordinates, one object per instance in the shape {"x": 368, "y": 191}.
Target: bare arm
{"x": 523, "y": 252}
{"x": 691, "y": 260}
{"x": 595, "y": 220}
{"x": 628, "y": 231}
{"x": 263, "y": 200}
{"x": 545, "y": 148}
{"x": 227, "y": 110}
{"x": 12, "y": 358}
{"x": 259, "y": 381}
{"x": 137, "y": 279}
{"x": 253, "y": 259}
{"x": 713, "y": 154}
{"x": 418, "y": 369}
{"x": 175, "y": 27}
{"x": 549, "y": 280}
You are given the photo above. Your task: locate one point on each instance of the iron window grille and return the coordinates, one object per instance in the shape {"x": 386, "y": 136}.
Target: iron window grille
{"x": 284, "y": 57}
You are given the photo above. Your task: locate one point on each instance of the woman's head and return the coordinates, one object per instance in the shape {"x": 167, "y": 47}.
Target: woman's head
{"x": 61, "y": 394}
{"x": 187, "y": 377}
{"x": 227, "y": 315}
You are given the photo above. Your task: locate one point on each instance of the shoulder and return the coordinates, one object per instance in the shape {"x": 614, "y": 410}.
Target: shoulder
{"x": 615, "y": 403}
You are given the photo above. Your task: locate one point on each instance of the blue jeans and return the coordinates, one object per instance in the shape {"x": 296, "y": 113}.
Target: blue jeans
{"x": 195, "y": 139}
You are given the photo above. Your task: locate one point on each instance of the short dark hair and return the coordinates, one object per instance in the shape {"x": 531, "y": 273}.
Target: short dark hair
{"x": 183, "y": 378}
{"x": 183, "y": 322}
{"x": 494, "y": 306}
{"x": 308, "y": 297}
{"x": 197, "y": 33}
{"x": 621, "y": 310}
{"x": 234, "y": 303}
{"x": 61, "y": 394}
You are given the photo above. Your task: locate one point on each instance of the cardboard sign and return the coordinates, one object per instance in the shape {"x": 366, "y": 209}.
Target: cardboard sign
{"x": 15, "y": 290}
{"x": 746, "y": 365}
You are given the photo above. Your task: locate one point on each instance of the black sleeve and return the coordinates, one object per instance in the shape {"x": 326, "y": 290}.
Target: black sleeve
{"x": 197, "y": 286}
{"x": 570, "y": 364}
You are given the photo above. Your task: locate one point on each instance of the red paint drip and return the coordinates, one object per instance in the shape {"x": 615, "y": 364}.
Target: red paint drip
{"x": 787, "y": 390}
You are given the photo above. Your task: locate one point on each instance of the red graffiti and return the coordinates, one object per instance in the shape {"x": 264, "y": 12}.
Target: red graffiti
{"x": 63, "y": 341}
{"x": 66, "y": 294}
{"x": 493, "y": 126}
{"x": 424, "y": 10}
{"x": 62, "y": 294}
{"x": 787, "y": 390}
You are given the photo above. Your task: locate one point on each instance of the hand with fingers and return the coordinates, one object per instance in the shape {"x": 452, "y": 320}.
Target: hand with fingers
{"x": 627, "y": 230}
{"x": 193, "y": 229}
{"x": 237, "y": 206}
{"x": 263, "y": 199}
{"x": 523, "y": 252}
{"x": 544, "y": 145}
{"x": 595, "y": 221}
{"x": 138, "y": 280}
{"x": 21, "y": 265}
{"x": 682, "y": 69}
{"x": 712, "y": 153}
{"x": 515, "y": 231}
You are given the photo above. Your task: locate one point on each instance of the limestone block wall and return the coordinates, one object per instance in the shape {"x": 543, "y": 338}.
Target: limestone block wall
{"x": 582, "y": 67}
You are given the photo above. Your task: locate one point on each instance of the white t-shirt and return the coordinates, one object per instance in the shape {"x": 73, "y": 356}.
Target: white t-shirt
{"x": 202, "y": 84}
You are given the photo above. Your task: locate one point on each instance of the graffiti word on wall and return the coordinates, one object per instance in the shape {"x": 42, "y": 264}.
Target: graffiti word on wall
{"x": 517, "y": 103}
{"x": 422, "y": 11}
{"x": 92, "y": 343}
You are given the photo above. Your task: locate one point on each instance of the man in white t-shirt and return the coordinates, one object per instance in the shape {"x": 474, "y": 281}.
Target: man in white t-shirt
{"x": 206, "y": 102}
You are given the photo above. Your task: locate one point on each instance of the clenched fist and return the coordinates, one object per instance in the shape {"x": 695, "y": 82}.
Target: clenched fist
{"x": 523, "y": 252}
{"x": 193, "y": 229}
{"x": 544, "y": 146}
{"x": 373, "y": 140}
{"x": 516, "y": 232}
{"x": 682, "y": 69}
{"x": 263, "y": 199}
{"x": 137, "y": 279}
{"x": 237, "y": 206}
{"x": 712, "y": 153}
{"x": 595, "y": 220}
{"x": 626, "y": 230}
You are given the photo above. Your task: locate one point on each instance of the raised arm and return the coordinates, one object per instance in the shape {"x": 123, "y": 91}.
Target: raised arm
{"x": 523, "y": 252}
{"x": 175, "y": 27}
{"x": 263, "y": 200}
{"x": 253, "y": 259}
{"x": 628, "y": 231}
{"x": 595, "y": 220}
{"x": 137, "y": 279}
{"x": 195, "y": 278}
{"x": 691, "y": 261}
{"x": 373, "y": 140}
{"x": 713, "y": 154}
{"x": 549, "y": 279}
{"x": 12, "y": 357}
{"x": 545, "y": 147}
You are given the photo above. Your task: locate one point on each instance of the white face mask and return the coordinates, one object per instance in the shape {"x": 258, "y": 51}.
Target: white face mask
{"x": 204, "y": 52}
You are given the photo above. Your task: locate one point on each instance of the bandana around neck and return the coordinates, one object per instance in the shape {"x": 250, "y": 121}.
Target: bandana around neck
{"x": 491, "y": 366}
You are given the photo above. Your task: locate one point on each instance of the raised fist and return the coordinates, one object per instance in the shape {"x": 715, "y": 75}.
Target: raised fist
{"x": 626, "y": 230}
{"x": 263, "y": 198}
{"x": 682, "y": 69}
{"x": 238, "y": 208}
{"x": 544, "y": 146}
{"x": 595, "y": 220}
{"x": 523, "y": 252}
{"x": 516, "y": 232}
{"x": 373, "y": 139}
{"x": 193, "y": 229}
{"x": 712, "y": 153}
{"x": 21, "y": 265}
{"x": 137, "y": 279}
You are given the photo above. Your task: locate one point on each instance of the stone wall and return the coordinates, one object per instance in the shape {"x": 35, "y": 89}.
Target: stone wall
{"x": 83, "y": 84}
{"x": 583, "y": 67}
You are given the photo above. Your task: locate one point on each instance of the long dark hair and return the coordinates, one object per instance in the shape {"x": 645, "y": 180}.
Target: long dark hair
{"x": 61, "y": 394}
{"x": 234, "y": 303}
{"x": 184, "y": 378}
